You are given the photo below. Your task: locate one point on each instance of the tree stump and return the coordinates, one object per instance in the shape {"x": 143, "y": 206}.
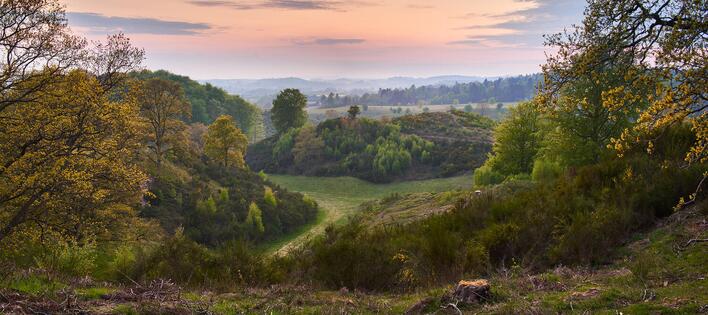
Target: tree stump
{"x": 471, "y": 292}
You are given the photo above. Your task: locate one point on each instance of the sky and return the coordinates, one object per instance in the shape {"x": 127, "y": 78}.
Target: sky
{"x": 229, "y": 39}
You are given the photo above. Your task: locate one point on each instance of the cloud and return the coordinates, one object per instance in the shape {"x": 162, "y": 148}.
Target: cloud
{"x": 100, "y": 24}
{"x": 526, "y": 27}
{"x": 331, "y": 41}
{"x": 281, "y": 4}
{"x": 420, "y": 6}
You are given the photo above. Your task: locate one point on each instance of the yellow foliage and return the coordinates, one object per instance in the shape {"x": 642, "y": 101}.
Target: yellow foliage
{"x": 67, "y": 159}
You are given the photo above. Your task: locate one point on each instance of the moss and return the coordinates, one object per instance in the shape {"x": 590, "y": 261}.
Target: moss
{"x": 93, "y": 293}
{"x": 36, "y": 285}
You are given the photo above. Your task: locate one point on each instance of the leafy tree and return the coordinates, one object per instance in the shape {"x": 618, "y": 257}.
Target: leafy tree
{"x": 308, "y": 147}
{"x": 468, "y": 108}
{"x": 209, "y": 102}
{"x": 163, "y": 105}
{"x": 254, "y": 220}
{"x": 68, "y": 159}
{"x": 353, "y": 112}
{"x": 662, "y": 45}
{"x": 289, "y": 110}
{"x": 517, "y": 141}
{"x": 269, "y": 197}
{"x": 225, "y": 143}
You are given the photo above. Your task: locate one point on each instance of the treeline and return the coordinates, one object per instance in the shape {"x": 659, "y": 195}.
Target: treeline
{"x": 512, "y": 89}
{"x": 209, "y": 102}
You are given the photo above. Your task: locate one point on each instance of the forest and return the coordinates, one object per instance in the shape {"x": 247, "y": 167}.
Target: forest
{"x": 130, "y": 191}
{"x": 410, "y": 147}
{"x": 511, "y": 89}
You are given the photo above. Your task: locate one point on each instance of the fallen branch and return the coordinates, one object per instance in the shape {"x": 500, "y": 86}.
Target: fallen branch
{"x": 694, "y": 240}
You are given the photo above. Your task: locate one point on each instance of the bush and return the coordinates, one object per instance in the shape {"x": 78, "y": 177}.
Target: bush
{"x": 545, "y": 170}
{"x": 485, "y": 176}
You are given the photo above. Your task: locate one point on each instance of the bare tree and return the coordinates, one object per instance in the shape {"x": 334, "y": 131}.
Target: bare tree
{"x": 33, "y": 36}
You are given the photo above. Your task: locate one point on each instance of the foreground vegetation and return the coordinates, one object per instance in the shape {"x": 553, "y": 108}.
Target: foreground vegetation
{"x": 342, "y": 197}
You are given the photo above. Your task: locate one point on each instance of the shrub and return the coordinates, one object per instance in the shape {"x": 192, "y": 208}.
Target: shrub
{"x": 545, "y": 170}
{"x": 269, "y": 197}
{"x": 485, "y": 176}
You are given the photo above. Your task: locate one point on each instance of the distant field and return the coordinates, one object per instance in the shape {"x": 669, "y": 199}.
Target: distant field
{"x": 340, "y": 197}
{"x": 318, "y": 114}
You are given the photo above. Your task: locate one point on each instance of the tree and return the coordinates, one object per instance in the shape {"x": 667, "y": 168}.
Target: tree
{"x": 517, "y": 141}
{"x": 353, "y": 112}
{"x": 308, "y": 147}
{"x": 289, "y": 110}
{"x": 225, "y": 143}
{"x": 254, "y": 220}
{"x": 164, "y": 106}
{"x": 468, "y": 108}
{"x": 34, "y": 36}
{"x": 68, "y": 159}
{"x": 663, "y": 43}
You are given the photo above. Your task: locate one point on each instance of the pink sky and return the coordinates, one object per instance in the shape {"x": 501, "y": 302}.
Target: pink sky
{"x": 208, "y": 39}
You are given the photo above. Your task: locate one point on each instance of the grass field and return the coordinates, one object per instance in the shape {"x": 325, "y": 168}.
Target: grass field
{"x": 376, "y": 111}
{"x": 340, "y": 197}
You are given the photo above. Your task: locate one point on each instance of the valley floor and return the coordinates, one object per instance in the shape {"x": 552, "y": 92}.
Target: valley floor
{"x": 341, "y": 197}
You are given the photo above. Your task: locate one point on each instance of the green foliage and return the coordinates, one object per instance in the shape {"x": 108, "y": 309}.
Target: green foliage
{"x": 289, "y": 110}
{"x": 225, "y": 143}
{"x": 254, "y": 220}
{"x": 545, "y": 170}
{"x": 517, "y": 141}
{"x": 353, "y": 112}
{"x": 67, "y": 257}
{"x": 209, "y": 102}
{"x": 379, "y": 151}
{"x": 269, "y": 197}
{"x": 485, "y": 176}
{"x": 578, "y": 218}
{"x": 282, "y": 150}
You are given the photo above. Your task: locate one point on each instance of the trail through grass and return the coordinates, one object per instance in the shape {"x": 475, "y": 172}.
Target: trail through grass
{"x": 340, "y": 197}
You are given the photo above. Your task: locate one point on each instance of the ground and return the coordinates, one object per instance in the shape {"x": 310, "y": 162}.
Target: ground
{"x": 340, "y": 197}
{"x": 661, "y": 271}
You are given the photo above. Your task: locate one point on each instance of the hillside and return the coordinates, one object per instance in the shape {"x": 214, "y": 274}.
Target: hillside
{"x": 420, "y": 146}
{"x": 208, "y": 102}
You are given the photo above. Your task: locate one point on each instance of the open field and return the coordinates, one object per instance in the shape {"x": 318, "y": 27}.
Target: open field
{"x": 340, "y": 197}
{"x": 378, "y": 111}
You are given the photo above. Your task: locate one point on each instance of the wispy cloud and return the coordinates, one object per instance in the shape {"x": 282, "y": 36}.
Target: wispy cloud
{"x": 420, "y": 6}
{"x": 524, "y": 27}
{"x": 281, "y": 4}
{"x": 331, "y": 41}
{"x": 99, "y": 24}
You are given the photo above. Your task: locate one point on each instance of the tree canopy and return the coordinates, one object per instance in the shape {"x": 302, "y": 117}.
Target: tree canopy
{"x": 289, "y": 110}
{"x": 225, "y": 143}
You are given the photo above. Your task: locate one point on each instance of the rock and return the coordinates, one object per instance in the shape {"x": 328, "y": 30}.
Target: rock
{"x": 471, "y": 292}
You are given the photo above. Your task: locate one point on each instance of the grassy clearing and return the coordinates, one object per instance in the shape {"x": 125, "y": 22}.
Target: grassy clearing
{"x": 340, "y": 197}
{"x": 378, "y": 111}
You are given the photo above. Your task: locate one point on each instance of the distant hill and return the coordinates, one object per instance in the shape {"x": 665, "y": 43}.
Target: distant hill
{"x": 262, "y": 91}
{"x": 510, "y": 89}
